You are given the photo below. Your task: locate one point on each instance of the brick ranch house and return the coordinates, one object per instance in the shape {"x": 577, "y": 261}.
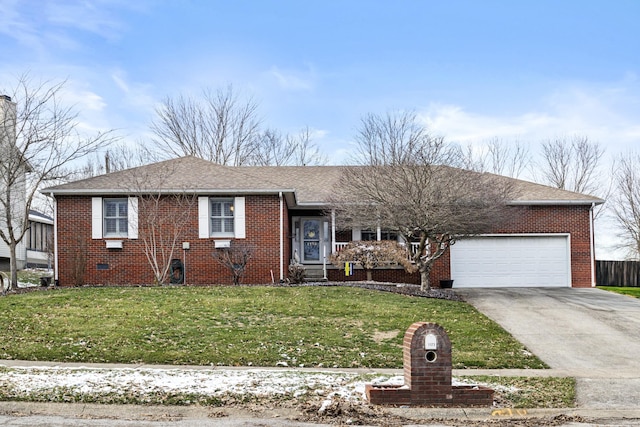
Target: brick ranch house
{"x": 281, "y": 212}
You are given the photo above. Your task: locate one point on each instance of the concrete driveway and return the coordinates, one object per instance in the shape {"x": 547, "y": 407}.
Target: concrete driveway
{"x": 590, "y": 334}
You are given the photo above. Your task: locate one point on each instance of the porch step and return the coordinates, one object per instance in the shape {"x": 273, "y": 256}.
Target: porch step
{"x": 314, "y": 274}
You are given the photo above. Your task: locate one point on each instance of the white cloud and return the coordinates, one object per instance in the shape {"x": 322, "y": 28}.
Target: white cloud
{"x": 81, "y": 98}
{"x": 94, "y": 17}
{"x": 137, "y": 95}
{"x": 13, "y": 24}
{"x": 292, "y": 79}
{"x": 606, "y": 114}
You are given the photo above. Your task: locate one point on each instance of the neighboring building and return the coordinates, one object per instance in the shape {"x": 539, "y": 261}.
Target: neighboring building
{"x": 12, "y": 177}
{"x": 36, "y": 249}
{"x": 282, "y": 213}
{"x": 39, "y": 241}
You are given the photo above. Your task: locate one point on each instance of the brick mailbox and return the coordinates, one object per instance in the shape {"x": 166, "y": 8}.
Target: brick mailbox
{"x": 427, "y": 374}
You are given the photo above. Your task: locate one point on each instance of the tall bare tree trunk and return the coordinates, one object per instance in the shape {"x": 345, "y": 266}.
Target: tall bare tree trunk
{"x": 13, "y": 265}
{"x": 425, "y": 269}
{"x": 369, "y": 275}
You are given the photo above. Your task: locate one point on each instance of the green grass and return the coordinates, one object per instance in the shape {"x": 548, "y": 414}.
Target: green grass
{"x": 242, "y": 326}
{"x": 531, "y": 392}
{"x": 633, "y": 292}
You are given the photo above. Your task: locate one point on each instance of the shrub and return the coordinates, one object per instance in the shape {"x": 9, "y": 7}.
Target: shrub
{"x": 372, "y": 254}
{"x": 297, "y": 273}
{"x": 235, "y": 259}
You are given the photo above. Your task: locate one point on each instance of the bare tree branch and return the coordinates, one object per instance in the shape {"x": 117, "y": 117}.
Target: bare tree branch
{"x": 273, "y": 149}
{"x": 163, "y": 219}
{"x": 499, "y": 157}
{"x": 235, "y": 259}
{"x": 39, "y": 141}
{"x": 625, "y": 202}
{"x": 218, "y": 127}
{"x": 404, "y": 184}
{"x": 571, "y": 164}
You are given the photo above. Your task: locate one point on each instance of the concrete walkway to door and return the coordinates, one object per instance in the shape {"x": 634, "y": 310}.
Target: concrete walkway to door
{"x": 590, "y": 334}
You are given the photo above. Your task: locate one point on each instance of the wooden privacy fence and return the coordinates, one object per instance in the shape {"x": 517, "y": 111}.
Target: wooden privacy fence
{"x": 618, "y": 273}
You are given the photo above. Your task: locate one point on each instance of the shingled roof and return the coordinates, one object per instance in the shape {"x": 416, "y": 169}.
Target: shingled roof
{"x": 307, "y": 185}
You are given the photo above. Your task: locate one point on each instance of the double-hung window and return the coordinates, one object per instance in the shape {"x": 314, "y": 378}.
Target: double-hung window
{"x": 115, "y": 217}
{"x": 222, "y": 217}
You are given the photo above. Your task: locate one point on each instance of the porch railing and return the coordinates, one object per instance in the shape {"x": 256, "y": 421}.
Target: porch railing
{"x": 340, "y": 245}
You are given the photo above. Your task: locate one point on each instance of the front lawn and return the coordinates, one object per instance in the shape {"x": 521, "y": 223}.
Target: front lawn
{"x": 633, "y": 292}
{"x": 243, "y": 326}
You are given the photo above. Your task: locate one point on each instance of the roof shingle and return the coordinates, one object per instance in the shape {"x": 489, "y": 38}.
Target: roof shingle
{"x": 311, "y": 185}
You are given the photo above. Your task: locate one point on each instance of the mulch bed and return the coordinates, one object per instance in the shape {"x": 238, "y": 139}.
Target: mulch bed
{"x": 397, "y": 288}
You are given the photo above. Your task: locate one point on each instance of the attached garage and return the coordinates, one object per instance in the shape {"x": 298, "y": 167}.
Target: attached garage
{"x": 512, "y": 261}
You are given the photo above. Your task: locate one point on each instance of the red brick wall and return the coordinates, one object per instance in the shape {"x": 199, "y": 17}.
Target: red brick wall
{"x": 574, "y": 220}
{"x": 129, "y": 265}
{"x": 391, "y": 275}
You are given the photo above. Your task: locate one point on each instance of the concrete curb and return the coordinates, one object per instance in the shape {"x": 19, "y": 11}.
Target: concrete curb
{"x": 173, "y": 413}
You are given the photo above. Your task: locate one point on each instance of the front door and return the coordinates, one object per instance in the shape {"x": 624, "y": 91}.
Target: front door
{"x": 311, "y": 229}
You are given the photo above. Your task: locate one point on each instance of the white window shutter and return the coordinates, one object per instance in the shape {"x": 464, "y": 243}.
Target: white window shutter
{"x": 239, "y": 218}
{"x": 96, "y": 217}
{"x": 132, "y": 217}
{"x": 203, "y": 217}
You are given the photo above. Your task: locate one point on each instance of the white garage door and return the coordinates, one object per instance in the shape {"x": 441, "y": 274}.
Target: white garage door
{"x": 511, "y": 261}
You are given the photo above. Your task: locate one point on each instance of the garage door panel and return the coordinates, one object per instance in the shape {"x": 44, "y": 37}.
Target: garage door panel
{"x": 511, "y": 261}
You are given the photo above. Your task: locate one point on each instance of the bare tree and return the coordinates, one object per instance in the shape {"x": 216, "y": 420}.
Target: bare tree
{"x": 118, "y": 157}
{"x": 404, "y": 183}
{"x": 625, "y": 202}
{"x": 163, "y": 217}
{"x": 162, "y": 221}
{"x": 571, "y": 164}
{"x": 39, "y": 139}
{"x": 499, "y": 157}
{"x": 274, "y": 149}
{"x": 306, "y": 152}
{"x": 219, "y": 127}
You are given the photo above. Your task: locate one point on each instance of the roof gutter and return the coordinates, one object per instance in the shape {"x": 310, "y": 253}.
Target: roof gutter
{"x": 555, "y": 202}
{"x": 113, "y": 191}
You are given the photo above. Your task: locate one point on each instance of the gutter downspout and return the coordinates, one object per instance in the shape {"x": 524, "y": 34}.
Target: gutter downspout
{"x": 333, "y": 230}
{"x": 55, "y": 240}
{"x": 281, "y": 237}
{"x": 593, "y": 245}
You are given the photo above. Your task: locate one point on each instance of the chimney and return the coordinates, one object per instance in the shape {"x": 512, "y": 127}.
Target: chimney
{"x": 7, "y": 121}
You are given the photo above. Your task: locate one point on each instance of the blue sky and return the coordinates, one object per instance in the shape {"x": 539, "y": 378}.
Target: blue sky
{"x": 472, "y": 70}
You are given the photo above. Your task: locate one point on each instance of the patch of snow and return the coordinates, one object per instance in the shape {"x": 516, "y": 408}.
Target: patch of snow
{"x": 210, "y": 382}
{"x": 146, "y": 382}
{"x": 390, "y": 381}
